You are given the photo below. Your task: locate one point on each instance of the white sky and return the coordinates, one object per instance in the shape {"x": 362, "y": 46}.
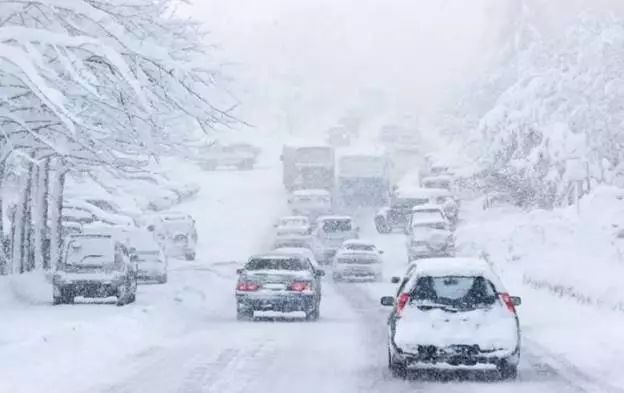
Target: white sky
{"x": 307, "y": 62}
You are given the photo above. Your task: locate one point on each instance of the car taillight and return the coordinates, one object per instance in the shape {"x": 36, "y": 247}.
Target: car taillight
{"x": 508, "y": 302}
{"x": 300, "y": 286}
{"x": 402, "y": 302}
{"x": 247, "y": 286}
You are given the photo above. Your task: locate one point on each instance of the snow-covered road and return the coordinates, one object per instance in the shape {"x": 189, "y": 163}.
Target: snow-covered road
{"x": 184, "y": 337}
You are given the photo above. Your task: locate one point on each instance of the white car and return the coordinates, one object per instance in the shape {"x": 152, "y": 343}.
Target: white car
{"x": 310, "y": 203}
{"x": 150, "y": 256}
{"x": 426, "y": 212}
{"x": 429, "y": 237}
{"x": 176, "y": 234}
{"x": 85, "y": 208}
{"x": 453, "y": 314}
{"x": 358, "y": 260}
{"x": 330, "y": 233}
{"x": 292, "y": 230}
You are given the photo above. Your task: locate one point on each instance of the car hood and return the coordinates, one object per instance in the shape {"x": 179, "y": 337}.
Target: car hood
{"x": 490, "y": 328}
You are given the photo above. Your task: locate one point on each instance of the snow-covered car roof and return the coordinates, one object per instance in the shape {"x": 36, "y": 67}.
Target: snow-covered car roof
{"x": 439, "y": 267}
{"x": 328, "y": 217}
{"x": 311, "y": 192}
{"x": 358, "y": 242}
{"x": 427, "y": 208}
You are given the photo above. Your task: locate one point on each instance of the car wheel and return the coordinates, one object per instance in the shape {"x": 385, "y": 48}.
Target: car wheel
{"x": 381, "y": 225}
{"x": 507, "y": 371}
{"x": 58, "y": 300}
{"x": 189, "y": 256}
{"x": 162, "y": 279}
{"x": 122, "y": 295}
{"x": 336, "y": 277}
{"x": 243, "y": 314}
{"x": 398, "y": 370}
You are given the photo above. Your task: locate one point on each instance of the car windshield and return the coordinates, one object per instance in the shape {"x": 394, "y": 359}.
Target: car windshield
{"x": 461, "y": 292}
{"x": 337, "y": 225}
{"x": 294, "y": 264}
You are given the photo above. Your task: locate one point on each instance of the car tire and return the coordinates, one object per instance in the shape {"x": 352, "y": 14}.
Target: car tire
{"x": 189, "y": 256}
{"x": 132, "y": 298}
{"x": 246, "y": 165}
{"x": 398, "y": 370}
{"x": 162, "y": 279}
{"x": 242, "y": 314}
{"x": 122, "y": 295}
{"x": 381, "y": 225}
{"x": 314, "y": 314}
{"x": 507, "y": 371}
{"x": 56, "y": 300}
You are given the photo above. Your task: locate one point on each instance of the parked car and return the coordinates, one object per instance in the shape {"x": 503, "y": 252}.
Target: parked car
{"x": 430, "y": 237}
{"x": 330, "y": 233}
{"x": 453, "y": 313}
{"x": 403, "y": 200}
{"x": 358, "y": 260}
{"x": 151, "y": 259}
{"x": 240, "y": 155}
{"x": 310, "y": 203}
{"x": 176, "y": 234}
{"x": 95, "y": 266}
{"x": 292, "y": 230}
{"x": 277, "y": 282}
{"x": 99, "y": 215}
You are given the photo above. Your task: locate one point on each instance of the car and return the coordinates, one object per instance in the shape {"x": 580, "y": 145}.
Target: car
{"x": 329, "y": 235}
{"x": 453, "y": 313}
{"x": 278, "y": 283}
{"x": 292, "y": 230}
{"x": 440, "y": 181}
{"x": 95, "y": 266}
{"x": 357, "y": 260}
{"x": 425, "y": 212}
{"x": 150, "y": 257}
{"x": 403, "y": 200}
{"x": 100, "y": 215}
{"x": 429, "y": 237}
{"x": 402, "y": 280}
{"x": 311, "y": 203}
{"x": 240, "y": 155}
{"x": 176, "y": 233}
{"x": 448, "y": 201}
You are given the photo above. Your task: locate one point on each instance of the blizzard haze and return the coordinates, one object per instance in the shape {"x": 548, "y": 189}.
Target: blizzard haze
{"x": 306, "y": 62}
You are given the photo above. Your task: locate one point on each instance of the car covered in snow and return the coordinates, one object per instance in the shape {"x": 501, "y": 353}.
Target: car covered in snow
{"x": 441, "y": 181}
{"x": 176, "y": 233}
{"x": 278, "y": 282}
{"x": 424, "y": 212}
{"x": 310, "y": 203}
{"x": 403, "y": 200}
{"x": 429, "y": 237}
{"x": 448, "y": 201}
{"x": 95, "y": 266}
{"x": 239, "y": 155}
{"x": 453, "y": 314}
{"x": 151, "y": 259}
{"x": 330, "y": 233}
{"x": 358, "y": 260}
{"x": 292, "y": 230}
{"x": 82, "y": 210}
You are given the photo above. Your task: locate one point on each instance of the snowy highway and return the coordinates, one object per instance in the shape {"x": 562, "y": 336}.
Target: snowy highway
{"x": 204, "y": 349}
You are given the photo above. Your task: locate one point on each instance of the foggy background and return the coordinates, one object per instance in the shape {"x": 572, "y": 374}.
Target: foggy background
{"x": 300, "y": 65}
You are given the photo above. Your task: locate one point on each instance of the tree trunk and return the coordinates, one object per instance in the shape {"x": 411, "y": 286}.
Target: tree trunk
{"x": 27, "y": 262}
{"x": 40, "y": 217}
{"x": 17, "y": 231}
{"x": 4, "y": 250}
{"x": 55, "y": 211}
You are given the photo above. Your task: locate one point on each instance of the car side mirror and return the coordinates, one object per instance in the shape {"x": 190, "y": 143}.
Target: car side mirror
{"x": 516, "y": 300}
{"x": 395, "y": 280}
{"x": 319, "y": 273}
{"x": 239, "y": 271}
{"x": 387, "y": 301}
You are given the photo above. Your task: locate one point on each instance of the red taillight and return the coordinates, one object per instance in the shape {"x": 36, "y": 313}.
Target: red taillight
{"x": 402, "y": 302}
{"x": 508, "y": 302}
{"x": 300, "y": 286}
{"x": 247, "y": 286}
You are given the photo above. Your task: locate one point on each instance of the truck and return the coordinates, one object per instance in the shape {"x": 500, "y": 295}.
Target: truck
{"x": 308, "y": 167}
{"x": 363, "y": 179}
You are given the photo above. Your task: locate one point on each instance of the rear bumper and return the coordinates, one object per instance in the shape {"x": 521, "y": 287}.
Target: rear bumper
{"x": 453, "y": 357}
{"x": 91, "y": 289}
{"x": 280, "y": 303}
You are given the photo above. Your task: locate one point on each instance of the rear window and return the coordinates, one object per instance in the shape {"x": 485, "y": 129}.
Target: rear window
{"x": 360, "y": 247}
{"x": 337, "y": 225}
{"x": 357, "y": 260}
{"x": 276, "y": 264}
{"x": 462, "y": 292}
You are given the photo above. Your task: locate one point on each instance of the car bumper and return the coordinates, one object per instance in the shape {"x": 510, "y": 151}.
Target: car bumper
{"x": 454, "y": 357}
{"x": 92, "y": 289}
{"x": 279, "y": 303}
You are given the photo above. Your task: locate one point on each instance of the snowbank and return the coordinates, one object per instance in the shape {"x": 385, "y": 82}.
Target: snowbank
{"x": 31, "y": 288}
